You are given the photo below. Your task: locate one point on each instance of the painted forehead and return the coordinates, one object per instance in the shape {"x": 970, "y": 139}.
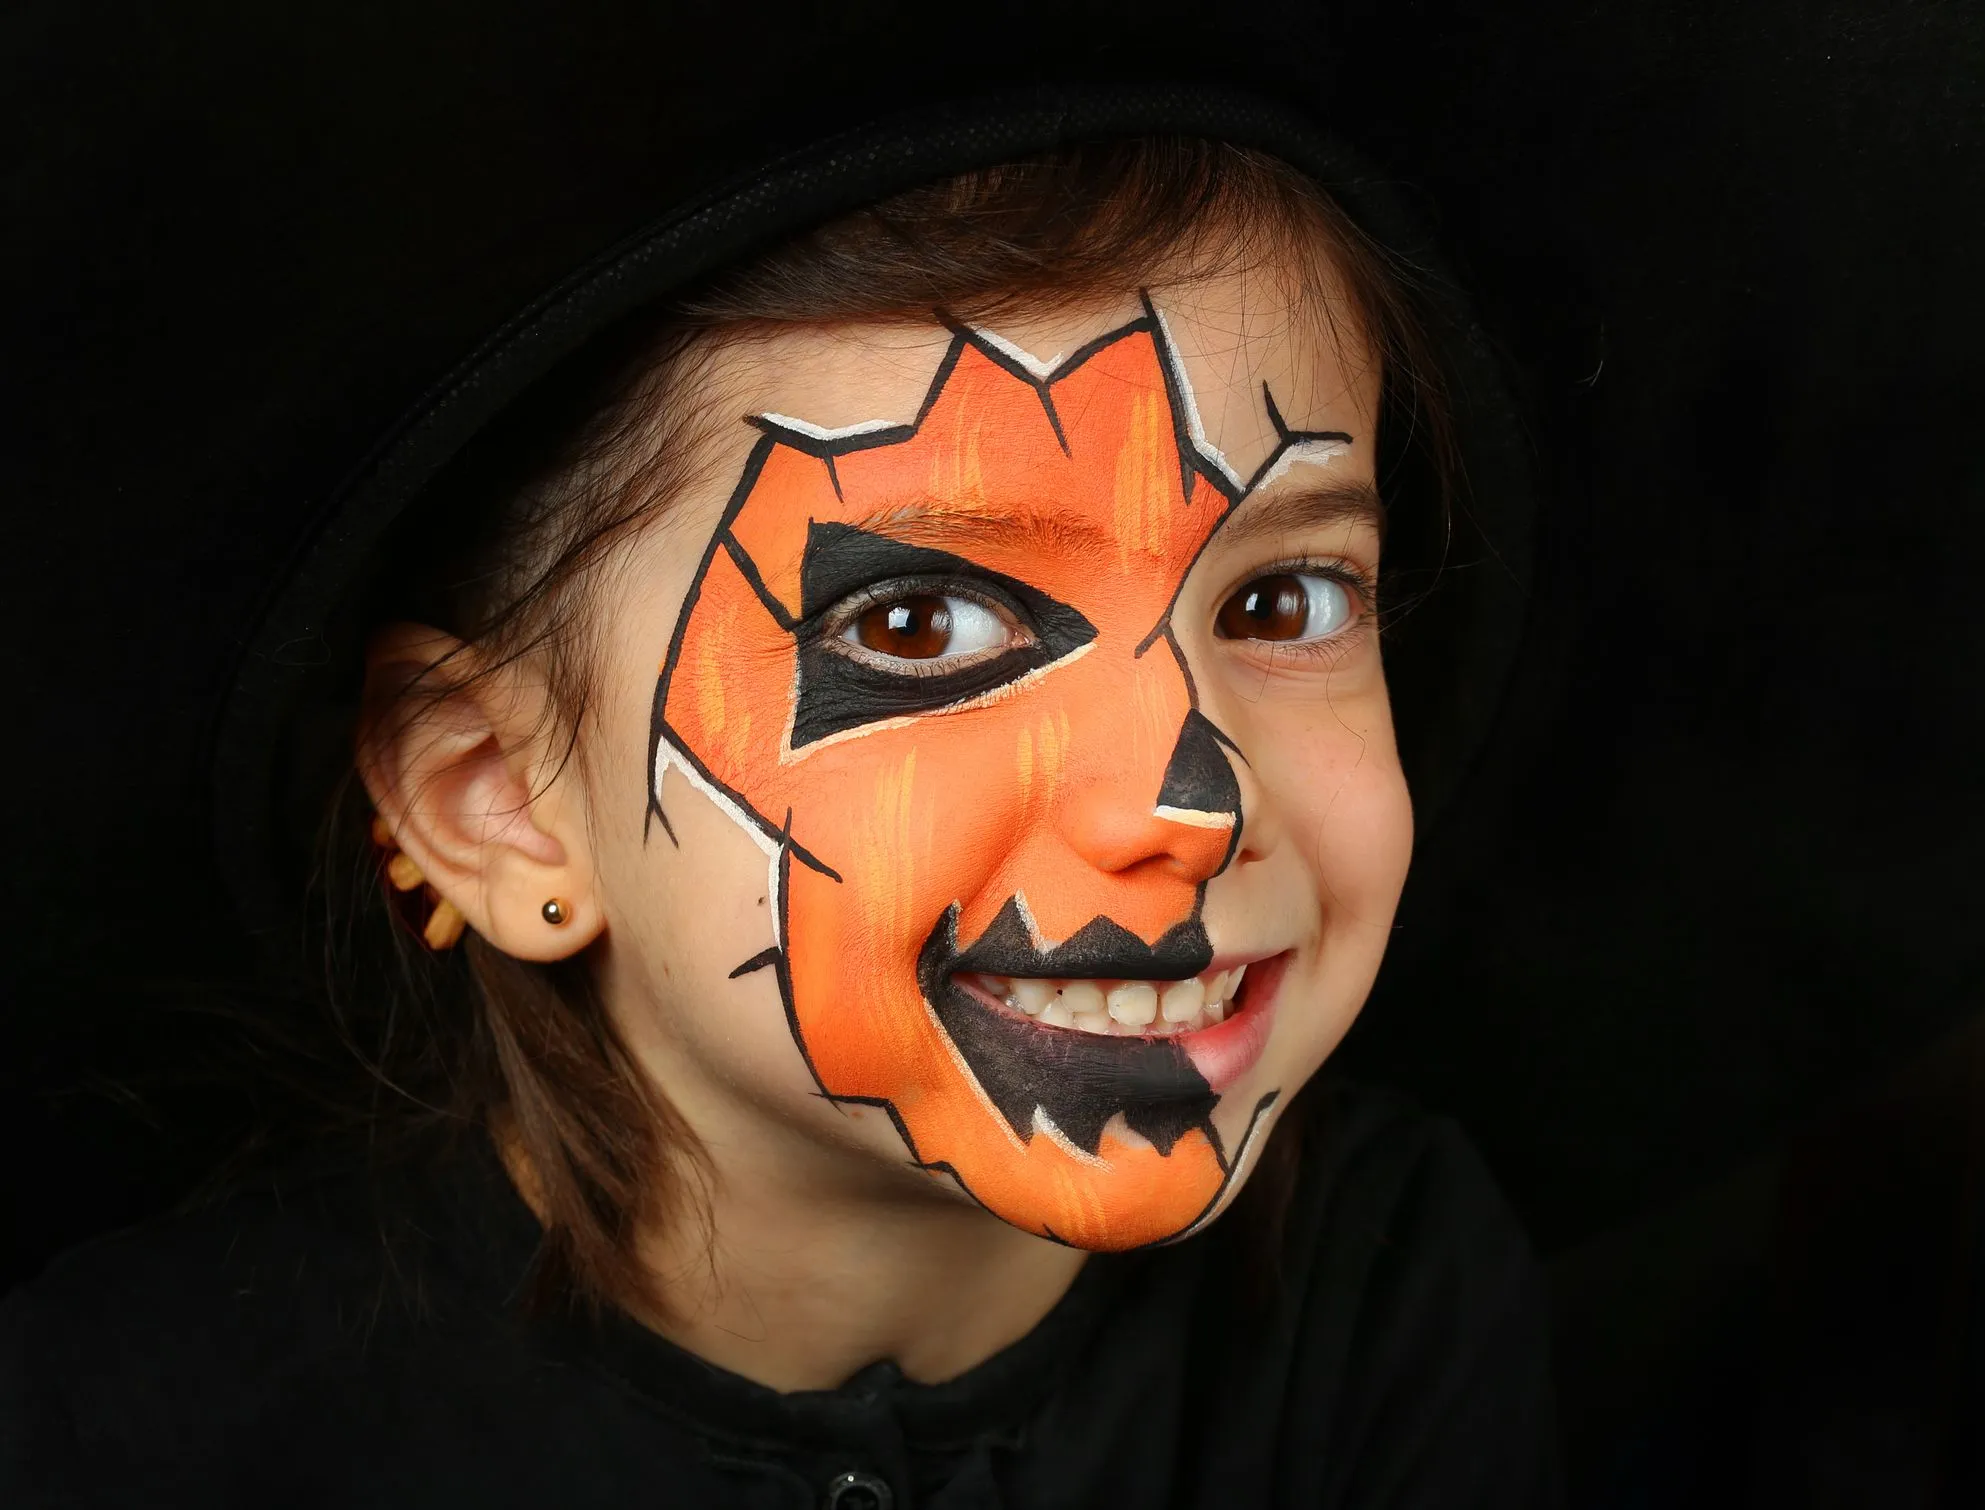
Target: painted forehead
{"x": 1020, "y": 458}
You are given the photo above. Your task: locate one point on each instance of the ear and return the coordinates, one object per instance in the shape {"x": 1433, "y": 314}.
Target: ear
{"x": 455, "y": 756}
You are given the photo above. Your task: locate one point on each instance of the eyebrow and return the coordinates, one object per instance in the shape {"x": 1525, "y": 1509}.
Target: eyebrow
{"x": 935, "y": 525}
{"x": 1299, "y": 509}
{"x": 1281, "y": 513}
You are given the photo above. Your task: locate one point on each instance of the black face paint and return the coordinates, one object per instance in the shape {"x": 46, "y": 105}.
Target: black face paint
{"x": 1078, "y": 1081}
{"x": 838, "y": 692}
{"x": 1198, "y": 780}
{"x": 1100, "y": 949}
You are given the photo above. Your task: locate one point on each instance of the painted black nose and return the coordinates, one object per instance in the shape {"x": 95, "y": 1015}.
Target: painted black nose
{"x": 1199, "y": 783}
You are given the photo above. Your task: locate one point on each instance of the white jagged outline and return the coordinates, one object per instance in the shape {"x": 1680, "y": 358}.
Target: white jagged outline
{"x": 667, "y": 755}
{"x": 836, "y": 432}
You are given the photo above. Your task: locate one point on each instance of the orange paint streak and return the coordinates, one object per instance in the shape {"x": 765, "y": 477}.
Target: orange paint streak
{"x": 776, "y": 549}
{"x": 735, "y": 680}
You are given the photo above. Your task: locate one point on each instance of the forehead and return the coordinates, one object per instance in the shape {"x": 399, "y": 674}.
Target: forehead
{"x": 1232, "y": 334}
{"x": 1030, "y": 467}
{"x": 1097, "y": 461}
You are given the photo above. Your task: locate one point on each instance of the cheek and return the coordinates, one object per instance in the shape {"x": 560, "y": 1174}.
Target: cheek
{"x": 918, "y": 819}
{"x": 681, "y": 922}
{"x": 1335, "y": 777}
{"x": 682, "y": 918}
{"x": 682, "y": 914}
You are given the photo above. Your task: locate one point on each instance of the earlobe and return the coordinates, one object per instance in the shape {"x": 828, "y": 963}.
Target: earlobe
{"x": 453, "y": 756}
{"x": 534, "y": 897}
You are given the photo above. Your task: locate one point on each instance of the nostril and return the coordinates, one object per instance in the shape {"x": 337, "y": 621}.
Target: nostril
{"x": 1198, "y": 854}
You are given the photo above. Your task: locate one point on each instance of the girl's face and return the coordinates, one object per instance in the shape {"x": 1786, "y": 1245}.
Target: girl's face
{"x": 994, "y": 788}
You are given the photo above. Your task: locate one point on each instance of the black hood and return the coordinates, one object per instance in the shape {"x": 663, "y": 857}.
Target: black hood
{"x": 1696, "y": 835}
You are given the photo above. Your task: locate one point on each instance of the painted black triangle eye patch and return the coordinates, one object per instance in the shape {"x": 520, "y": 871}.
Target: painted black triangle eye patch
{"x": 837, "y": 692}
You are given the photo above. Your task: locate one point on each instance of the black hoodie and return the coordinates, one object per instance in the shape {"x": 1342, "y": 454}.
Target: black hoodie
{"x": 351, "y": 1342}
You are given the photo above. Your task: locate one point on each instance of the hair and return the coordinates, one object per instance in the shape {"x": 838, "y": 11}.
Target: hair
{"x": 507, "y": 553}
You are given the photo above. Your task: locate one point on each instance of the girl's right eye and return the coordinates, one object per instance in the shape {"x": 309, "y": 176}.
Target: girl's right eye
{"x": 926, "y": 627}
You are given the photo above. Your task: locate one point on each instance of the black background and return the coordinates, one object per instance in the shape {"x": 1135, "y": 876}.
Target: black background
{"x": 1694, "y": 955}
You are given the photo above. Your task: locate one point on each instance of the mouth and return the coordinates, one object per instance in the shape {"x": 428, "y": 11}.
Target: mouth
{"x": 1095, "y": 1038}
{"x": 1117, "y": 1008}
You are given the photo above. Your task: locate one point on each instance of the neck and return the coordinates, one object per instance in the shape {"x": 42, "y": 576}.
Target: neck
{"x": 800, "y": 1281}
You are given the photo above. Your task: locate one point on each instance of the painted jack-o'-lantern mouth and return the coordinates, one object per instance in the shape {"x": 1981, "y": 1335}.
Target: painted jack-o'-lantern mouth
{"x": 1068, "y": 1083}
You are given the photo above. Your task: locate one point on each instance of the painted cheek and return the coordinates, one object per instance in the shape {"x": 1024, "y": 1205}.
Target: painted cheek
{"x": 737, "y": 670}
{"x": 924, "y": 816}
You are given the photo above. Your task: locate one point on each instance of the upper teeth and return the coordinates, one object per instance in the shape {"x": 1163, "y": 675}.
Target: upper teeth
{"x": 1124, "y": 1007}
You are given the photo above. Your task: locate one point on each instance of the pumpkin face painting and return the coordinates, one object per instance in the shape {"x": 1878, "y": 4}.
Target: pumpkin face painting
{"x": 974, "y": 853}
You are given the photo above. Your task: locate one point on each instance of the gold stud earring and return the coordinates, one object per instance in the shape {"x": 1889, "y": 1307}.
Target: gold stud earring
{"x": 556, "y": 913}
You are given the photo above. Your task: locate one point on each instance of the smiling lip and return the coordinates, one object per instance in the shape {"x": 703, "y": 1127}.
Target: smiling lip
{"x": 1230, "y": 1049}
{"x": 1223, "y": 1038}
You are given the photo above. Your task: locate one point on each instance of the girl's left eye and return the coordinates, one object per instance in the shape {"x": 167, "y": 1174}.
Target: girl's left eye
{"x": 1286, "y": 607}
{"x": 929, "y": 626}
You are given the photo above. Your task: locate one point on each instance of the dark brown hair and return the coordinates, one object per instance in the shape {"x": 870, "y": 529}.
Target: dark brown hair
{"x": 506, "y": 549}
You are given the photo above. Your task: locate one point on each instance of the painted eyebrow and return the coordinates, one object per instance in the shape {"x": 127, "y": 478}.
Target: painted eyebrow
{"x": 1288, "y": 513}
{"x": 934, "y": 525}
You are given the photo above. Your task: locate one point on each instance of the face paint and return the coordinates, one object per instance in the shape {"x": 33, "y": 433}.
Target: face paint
{"x": 1046, "y": 802}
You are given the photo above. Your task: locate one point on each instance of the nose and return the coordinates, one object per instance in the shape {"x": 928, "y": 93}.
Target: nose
{"x": 1187, "y": 832}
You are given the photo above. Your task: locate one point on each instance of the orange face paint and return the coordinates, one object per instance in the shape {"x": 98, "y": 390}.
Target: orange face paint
{"x": 1054, "y": 809}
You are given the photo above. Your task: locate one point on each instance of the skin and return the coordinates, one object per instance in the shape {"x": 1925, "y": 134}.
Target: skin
{"x": 832, "y": 1246}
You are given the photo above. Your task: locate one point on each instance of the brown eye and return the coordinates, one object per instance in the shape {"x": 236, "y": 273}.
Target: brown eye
{"x": 1285, "y": 606}
{"x": 927, "y": 626}
{"x": 1268, "y": 608}
{"x": 911, "y": 629}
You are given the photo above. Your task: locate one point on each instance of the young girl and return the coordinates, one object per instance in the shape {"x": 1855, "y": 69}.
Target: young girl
{"x": 886, "y": 798}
